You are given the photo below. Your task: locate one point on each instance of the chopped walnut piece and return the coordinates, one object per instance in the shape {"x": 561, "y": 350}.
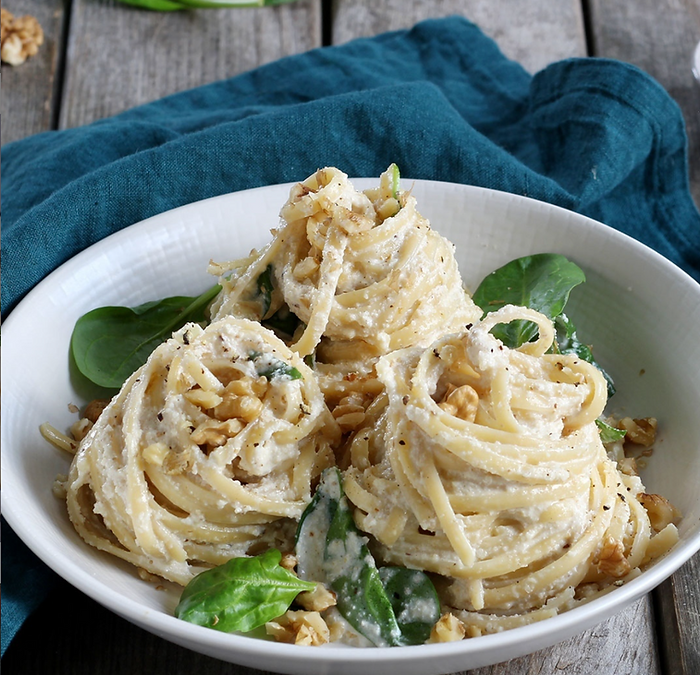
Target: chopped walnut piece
{"x": 241, "y": 399}
{"x": 203, "y": 398}
{"x": 350, "y": 413}
{"x": 611, "y": 559}
{"x": 147, "y": 576}
{"x": 155, "y": 454}
{"x": 305, "y": 269}
{"x": 448, "y": 629}
{"x": 80, "y": 429}
{"x": 462, "y": 402}
{"x": 289, "y": 561}
{"x": 94, "y": 409}
{"x": 660, "y": 511}
{"x": 317, "y": 600}
{"x": 58, "y": 488}
{"x": 174, "y": 463}
{"x": 301, "y": 628}
{"x": 215, "y": 434}
{"x": 628, "y": 466}
{"x": 640, "y": 431}
{"x": 20, "y": 38}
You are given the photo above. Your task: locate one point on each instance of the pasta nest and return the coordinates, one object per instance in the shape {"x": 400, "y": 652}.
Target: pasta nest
{"x": 359, "y": 266}
{"x": 484, "y": 464}
{"x": 208, "y": 451}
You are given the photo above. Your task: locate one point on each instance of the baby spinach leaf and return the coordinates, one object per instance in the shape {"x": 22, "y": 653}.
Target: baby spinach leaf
{"x": 331, "y": 549}
{"x": 272, "y": 367}
{"x": 283, "y": 321}
{"x": 395, "y": 180}
{"x": 542, "y": 282}
{"x": 265, "y": 289}
{"x": 567, "y": 342}
{"x": 344, "y": 563}
{"x": 241, "y": 594}
{"x": 110, "y": 343}
{"x": 414, "y": 600}
{"x": 609, "y": 434}
{"x": 155, "y": 5}
{"x": 169, "y": 6}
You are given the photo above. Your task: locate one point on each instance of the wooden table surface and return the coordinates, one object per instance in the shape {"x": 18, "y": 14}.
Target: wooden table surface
{"x": 101, "y": 57}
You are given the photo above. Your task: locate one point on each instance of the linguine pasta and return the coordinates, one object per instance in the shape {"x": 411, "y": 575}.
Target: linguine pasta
{"x": 512, "y": 498}
{"x": 201, "y": 456}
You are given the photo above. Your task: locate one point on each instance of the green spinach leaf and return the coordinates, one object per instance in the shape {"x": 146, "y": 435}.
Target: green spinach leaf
{"x": 265, "y": 289}
{"x": 242, "y": 594}
{"x": 172, "y": 5}
{"x": 567, "y": 342}
{"x": 542, "y": 282}
{"x": 609, "y": 434}
{"x": 272, "y": 367}
{"x": 283, "y": 321}
{"x": 331, "y": 549}
{"x": 344, "y": 563}
{"x": 395, "y": 180}
{"x": 109, "y": 343}
{"x": 414, "y": 600}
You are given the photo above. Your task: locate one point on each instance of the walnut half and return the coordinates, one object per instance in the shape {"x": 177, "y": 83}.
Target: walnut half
{"x": 20, "y": 38}
{"x": 302, "y": 628}
{"x": 661, "y": 512}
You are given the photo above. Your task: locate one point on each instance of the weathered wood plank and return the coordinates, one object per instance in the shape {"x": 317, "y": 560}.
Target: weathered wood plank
{"x": 29, "y": 90}
{"x": 542, "y": 32}
{"x": 678, "y": 600}
{"x": 119, "y": 57}
{"x": 659, "y": 36}
{"x": 621, "y": 645}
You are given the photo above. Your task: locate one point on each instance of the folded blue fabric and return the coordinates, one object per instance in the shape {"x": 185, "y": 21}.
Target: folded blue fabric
{"x": 596, "y": 136}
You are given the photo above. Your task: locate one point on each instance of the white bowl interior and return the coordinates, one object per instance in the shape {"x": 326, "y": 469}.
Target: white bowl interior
{"x": 638, "y": 311}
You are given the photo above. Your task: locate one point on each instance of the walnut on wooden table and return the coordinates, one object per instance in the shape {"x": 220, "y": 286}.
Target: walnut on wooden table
{"x": 20, "y": 37}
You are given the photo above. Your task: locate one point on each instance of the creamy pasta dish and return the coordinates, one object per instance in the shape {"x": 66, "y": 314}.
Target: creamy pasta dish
{"x": 349, "y": 406}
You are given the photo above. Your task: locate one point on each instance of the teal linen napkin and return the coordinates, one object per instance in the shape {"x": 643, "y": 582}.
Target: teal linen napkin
{"x": 596, "y": 136}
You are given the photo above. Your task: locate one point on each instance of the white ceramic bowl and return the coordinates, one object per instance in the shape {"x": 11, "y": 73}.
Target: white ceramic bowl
{"x": 638, "y": 310}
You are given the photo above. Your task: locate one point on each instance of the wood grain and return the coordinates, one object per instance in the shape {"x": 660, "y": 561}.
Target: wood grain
{"x": 605, "y": 648}
{"x": 678, "y": 602}
{"x": 543, "y": 32}
{"x": 29, "y": 91}
{"x": 119, "y": 57}
{"x": 659, "y": 36}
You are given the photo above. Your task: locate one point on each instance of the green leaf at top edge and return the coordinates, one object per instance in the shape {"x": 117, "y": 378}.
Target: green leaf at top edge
{"x": 395, "y": 181}
{"x": 156, "y": 5}
{"x": 176, "y": 5}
